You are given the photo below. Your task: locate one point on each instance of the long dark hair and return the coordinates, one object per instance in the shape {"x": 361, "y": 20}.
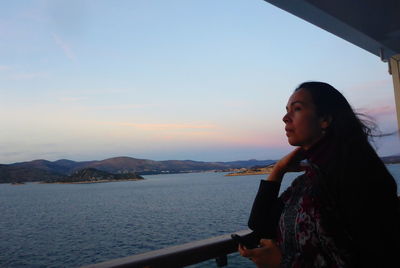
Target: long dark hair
{"x": 358, "y": 195}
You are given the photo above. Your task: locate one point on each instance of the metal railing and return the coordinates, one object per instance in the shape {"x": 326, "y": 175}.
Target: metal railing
{"x": 179, "y": 256}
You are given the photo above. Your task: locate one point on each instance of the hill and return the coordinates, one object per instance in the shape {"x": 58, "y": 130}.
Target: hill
{"x": 392, "y": 159}
{"x": 11, "y": 174}
{"x": 43, "y": 170}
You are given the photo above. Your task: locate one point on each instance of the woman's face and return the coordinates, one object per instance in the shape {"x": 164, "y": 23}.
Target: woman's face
{"x": 302, "y": 125}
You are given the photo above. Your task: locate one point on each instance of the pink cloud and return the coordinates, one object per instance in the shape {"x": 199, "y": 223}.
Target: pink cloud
{"x": 373, "y": 85}
{"x": 4, "y": 67}
{"x": 168, "y": 126}
{"x": 262, "y": 140}
{"x": 200, "y": 134}
{"x": 119, "y": 107}
{"x": 380, "y": 111}
{"x": 65, "y": 47}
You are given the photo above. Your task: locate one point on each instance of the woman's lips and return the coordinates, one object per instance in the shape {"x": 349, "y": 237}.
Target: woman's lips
{"x": 288, "y": 131}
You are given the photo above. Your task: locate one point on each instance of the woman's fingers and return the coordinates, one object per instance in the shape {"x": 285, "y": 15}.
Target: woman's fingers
{"x": 291, "y": 162}
{"x": 268, "y": 255}
{"x": 264, "y": 256}
{"x": 298, "y": 167}
{"x": 296, "y": 155}
{"x": 267, "y": 243}
{"x": 244, "y": 251}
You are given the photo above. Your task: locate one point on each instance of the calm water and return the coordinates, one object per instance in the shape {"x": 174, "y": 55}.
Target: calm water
{"x": 61, "y": 225}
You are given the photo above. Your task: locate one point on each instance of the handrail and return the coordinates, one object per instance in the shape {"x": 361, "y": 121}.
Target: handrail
{"x": 217, "y": 247}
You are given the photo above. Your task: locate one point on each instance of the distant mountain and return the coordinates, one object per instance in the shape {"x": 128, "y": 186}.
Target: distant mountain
{"x": 392, "y": 159}
{"x": 11, "y": 174}
{"x": 62, "y": 166}
{"x": 144, "y": 166}
{"x": 42, "y": 170}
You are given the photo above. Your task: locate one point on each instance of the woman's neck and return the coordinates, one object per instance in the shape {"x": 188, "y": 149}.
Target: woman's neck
{"x": 321, "y": 151}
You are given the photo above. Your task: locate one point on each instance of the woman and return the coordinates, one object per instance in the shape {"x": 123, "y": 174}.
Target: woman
{"x": 344, "y": 210}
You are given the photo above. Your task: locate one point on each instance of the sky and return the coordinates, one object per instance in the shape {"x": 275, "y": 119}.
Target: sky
{"x": 179, "y": 79}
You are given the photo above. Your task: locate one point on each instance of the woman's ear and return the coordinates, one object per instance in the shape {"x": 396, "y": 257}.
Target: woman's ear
{"x": 326, "y": 122}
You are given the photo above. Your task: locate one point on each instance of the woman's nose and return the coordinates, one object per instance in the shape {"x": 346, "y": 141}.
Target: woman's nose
{"x": 286, "y": 118}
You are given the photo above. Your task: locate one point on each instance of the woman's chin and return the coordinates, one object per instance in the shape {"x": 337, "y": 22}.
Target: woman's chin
{"x": 293, "y": 142}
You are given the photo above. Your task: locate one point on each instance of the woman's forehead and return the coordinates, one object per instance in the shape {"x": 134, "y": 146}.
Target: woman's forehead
{"x": 300, "y": 96}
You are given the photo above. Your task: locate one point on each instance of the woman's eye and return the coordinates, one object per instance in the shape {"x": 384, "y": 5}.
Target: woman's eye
{"x": 297, "y": 108}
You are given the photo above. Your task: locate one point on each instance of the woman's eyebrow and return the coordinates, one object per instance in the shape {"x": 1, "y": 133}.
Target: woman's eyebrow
{"x": 295, "y": 102}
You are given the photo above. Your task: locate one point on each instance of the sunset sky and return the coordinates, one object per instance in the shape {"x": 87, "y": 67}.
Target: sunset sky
{"x": 179, "y": 79}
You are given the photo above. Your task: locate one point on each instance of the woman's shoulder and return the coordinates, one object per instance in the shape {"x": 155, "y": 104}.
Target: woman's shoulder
{"x": 298, "y": 185}
{"x": 301, "y": 181}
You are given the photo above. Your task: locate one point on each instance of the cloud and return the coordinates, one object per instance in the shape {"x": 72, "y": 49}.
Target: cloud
{"x": 17, "y": 73}
{"x": 199, "y": 133}
{"x": 25, "y": 76}
{"x": 4, "y": 67}
{"x": 381, "y": 110}
{"x": 168, "y": 126}
{"x": 71, "y": 99}
{"x": 69, "y": 53}
{"x": 121, "y": 107}
{"x": 372, "y": 85}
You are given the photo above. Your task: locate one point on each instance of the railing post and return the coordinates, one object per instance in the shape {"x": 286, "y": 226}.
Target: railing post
{"x": 395, "y": 72}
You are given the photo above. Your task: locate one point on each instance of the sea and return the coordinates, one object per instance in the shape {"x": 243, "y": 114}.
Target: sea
{"x": 70, "y": 225}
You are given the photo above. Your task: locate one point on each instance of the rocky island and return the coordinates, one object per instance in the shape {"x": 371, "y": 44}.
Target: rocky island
{"x": 92, "y": 175}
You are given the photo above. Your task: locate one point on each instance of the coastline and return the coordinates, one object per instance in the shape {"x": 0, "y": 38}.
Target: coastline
{"x": 251, "y": 171}
{"x": 88, "y": 182}
{"x": 247, "y": 173}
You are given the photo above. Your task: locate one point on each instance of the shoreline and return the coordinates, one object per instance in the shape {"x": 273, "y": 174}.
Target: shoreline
{"x": 248, "y": 173}
{"x": 88, "y": 182}
{"x": 252, "y": 171}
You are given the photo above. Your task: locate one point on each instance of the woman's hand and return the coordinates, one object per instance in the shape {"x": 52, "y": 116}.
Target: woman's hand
{"x": 268, "y": 255}
{"x": 289, "y": 163}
